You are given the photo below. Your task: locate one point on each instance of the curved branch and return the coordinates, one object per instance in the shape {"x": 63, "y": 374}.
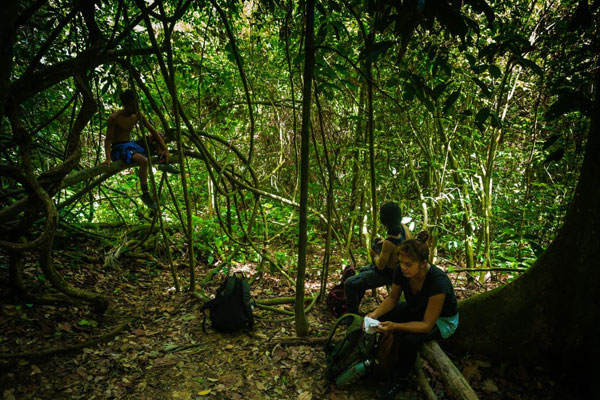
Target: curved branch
{"x": 238, "y": 61}
{"x": 79, "y": 346}
{"x": 27, "y": 86}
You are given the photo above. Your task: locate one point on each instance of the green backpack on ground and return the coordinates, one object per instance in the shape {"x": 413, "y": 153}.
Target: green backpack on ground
{"x": 356, "y": 346}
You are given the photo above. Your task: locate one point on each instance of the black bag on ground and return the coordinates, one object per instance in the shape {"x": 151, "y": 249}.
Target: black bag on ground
{"x": 355, "y": 347}
{"x": 336, "y": 299}
{"x": 231, "y": 309}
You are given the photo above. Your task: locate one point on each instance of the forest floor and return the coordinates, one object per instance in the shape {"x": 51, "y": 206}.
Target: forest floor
{"x": 164, "y": 354}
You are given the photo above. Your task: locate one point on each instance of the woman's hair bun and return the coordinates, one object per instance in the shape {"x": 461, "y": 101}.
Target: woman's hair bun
{"x": 424, "y": 237}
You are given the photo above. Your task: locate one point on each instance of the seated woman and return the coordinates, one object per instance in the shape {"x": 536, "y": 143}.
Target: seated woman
{"x": 429, "y": 313}
{"x": 384, "y": 255}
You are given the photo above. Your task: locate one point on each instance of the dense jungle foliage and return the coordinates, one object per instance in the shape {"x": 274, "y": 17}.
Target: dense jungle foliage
{"x": 291, "y": 128}
{"x": 467, "y": 120}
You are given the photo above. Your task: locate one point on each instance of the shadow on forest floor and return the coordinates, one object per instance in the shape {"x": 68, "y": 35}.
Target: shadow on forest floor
{"x": 163, "y": 354}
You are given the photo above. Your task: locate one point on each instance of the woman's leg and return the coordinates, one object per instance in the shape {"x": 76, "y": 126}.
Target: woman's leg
{"x": 405, "y": 348}
{"x": 356, "y": 286}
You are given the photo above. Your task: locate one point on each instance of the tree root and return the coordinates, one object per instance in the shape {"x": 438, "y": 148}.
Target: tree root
{"x": 76, "y": 347}
{"x": 272, "y": 309}
{"x": 290, "y": 318}
{"x": 299, "y": 341}
{"x": 280, "y": 300}
{"x": 264, "y": 304}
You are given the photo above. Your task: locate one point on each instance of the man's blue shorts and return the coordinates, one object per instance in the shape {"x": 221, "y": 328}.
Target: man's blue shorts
{"x": 125, "y": 150}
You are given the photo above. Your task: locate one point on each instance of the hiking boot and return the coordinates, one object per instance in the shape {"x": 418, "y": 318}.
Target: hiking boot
{"x": 168, "y": 168}
{"x": 148, "y": 201}
{"x": 391, "y": 388}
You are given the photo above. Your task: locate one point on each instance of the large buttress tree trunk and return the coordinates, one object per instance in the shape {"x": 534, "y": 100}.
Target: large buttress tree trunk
{"x": 551, "y": 314}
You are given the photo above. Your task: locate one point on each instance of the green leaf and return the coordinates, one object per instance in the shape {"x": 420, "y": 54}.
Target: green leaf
{"x": 481, "y": 116}
{"x": 392, "y": 82}
{"x": 525, "y": 63}
{"x": 484, "y": 89}
{"x": 170, "y": 346}
{"x": 567, "y": 102}
{"x": 495, "y": 121}
{"x": 229, "y": 52}
{"x": 425, "y": 101}
{"x": 482, "y": 7}
{"x": 409, "y": 93}
{"x": 85, "y": 322}
{"x": 376, "y": 50}
{"x": 439, "y": 89}
{"x": 340, "y": 68}
{"x": 471, "y": 59}
{"x": 536, "y": 248}
{"x": 494, "y": 71}
{"x": 450, "y": 101}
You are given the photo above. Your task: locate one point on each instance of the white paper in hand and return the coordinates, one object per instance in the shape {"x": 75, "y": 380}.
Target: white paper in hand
{"x": 370, "y": 325}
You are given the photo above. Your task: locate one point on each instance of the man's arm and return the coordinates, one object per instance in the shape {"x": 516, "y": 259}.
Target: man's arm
{"x": 110, "y": 132}
{"x": 408, "y": 234}
{"x": 156, "y": 136}
{"x": 382, "y": 259}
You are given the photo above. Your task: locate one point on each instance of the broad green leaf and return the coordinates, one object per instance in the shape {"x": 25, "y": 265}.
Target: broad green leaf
{"x": 450, "y": 101}
{"x": 471, "y": 59}
{"x": 377, "y": 49}
{"x": 481, "y": 116}
{"x": 536, "y": 248}
{"x": 484, "y": 89}
{"x": 409, "y": 93}
{"x": 525, "y": 63}
{"x": 494, "y": 71}
{"x": 439, "y": 89}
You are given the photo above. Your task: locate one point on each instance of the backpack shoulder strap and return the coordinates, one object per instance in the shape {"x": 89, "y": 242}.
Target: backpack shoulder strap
{"x": 220, "y": 297}
{"x": 247, "y": 303}
{"x": 352, "y": 318}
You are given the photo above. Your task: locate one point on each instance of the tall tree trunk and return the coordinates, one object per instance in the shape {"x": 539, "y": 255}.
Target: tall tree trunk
{"x": 309, "y": 64}
{"x": 551, "y": 314}
{"x": 8, "y": 10}
{"x": 371, "y": 137}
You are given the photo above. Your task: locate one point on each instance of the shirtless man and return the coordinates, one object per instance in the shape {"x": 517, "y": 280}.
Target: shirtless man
{"x": 118, "y": 145}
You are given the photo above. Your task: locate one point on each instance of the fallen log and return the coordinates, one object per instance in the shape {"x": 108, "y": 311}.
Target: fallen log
{"x": 455, "y": 383}
{"x": 423, "y": 382}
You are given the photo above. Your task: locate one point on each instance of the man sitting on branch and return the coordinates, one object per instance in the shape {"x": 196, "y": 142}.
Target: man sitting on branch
{"x": 118, "y": 145}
